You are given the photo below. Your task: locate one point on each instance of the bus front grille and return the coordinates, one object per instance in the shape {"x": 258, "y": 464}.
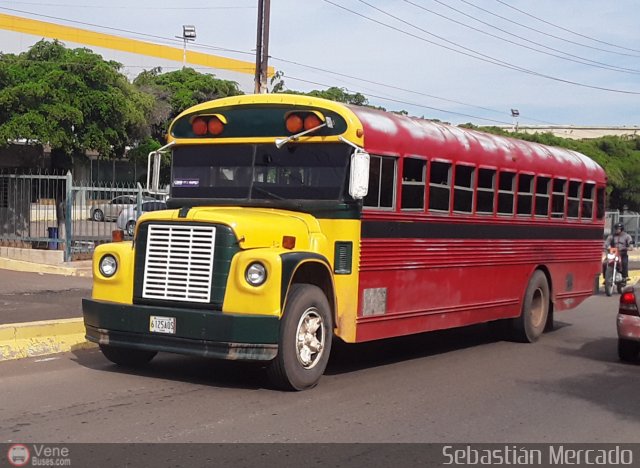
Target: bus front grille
{"x": 179, "y": 262}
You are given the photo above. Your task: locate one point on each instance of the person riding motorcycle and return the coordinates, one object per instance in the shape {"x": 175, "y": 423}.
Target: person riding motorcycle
{"x": 623, "y": 242}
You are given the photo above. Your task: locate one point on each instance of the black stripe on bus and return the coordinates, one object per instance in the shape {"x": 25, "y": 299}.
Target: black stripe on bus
{"x": 442, "y": 230}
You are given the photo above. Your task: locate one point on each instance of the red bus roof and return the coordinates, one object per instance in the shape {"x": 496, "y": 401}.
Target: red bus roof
{"x": 387, "y": 133}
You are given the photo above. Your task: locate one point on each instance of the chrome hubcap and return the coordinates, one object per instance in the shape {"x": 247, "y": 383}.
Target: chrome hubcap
{"x": 310, "y": 338}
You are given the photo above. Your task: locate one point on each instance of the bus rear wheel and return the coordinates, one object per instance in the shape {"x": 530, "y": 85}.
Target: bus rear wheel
{"x": 306, "y": 333}
{"x": 127, "y": 357}
{"x": 528, "y": 327}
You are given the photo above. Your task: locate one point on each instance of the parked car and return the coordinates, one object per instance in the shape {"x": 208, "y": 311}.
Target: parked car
{"x": 628, "y": 325}
{"x": 110, "y": 210}
{"x": 128, "y": 217}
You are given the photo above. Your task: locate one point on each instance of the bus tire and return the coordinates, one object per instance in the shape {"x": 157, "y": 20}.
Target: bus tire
{"x": 628, "y": 350}
{"x": 306, "y": 333}
{"x": 528, "y": 327}
{"x": 127, "y": 357}
{"x": 608, "y": 281}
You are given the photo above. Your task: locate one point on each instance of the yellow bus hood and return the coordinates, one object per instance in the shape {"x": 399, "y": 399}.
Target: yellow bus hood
{"x": 254, "y": 227}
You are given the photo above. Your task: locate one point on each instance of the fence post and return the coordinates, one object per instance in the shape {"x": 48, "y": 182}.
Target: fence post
{"x": 68, "y": 219}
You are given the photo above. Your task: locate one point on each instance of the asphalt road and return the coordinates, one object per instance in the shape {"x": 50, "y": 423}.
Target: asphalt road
{"x": 456, "y": 386}
{"x": 27, "y": 297}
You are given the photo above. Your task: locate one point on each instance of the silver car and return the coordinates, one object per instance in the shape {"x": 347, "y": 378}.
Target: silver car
{"x": 128, "y": 217}
{"x": 110, "y": 210}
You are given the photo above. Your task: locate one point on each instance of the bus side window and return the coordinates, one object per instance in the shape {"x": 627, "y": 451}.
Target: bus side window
{"x": 573, "y": 202}
{"x": 525, "y": 194}
{"x": 382, "y": 176}
{"x": 463, "y": 189}
{"x": 506, "y": 192}
{"x": 413, "y": 183}
{"x": 558, "y": 198}
{"x": 542, "y": 196}
{"x": 439, "y": 186}
{"x": 600, "y": 205}
{"x": 486, "y": 187}
{"x": 587, "y": 202}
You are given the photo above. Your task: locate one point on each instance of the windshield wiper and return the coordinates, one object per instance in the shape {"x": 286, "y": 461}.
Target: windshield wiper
{"x": 265, "y": 191}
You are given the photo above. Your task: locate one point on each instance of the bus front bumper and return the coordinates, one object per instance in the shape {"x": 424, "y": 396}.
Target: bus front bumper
{"x": 197, "y": 332}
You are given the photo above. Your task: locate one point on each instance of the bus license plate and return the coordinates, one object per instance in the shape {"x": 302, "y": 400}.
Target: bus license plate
{"x": 162, "y": 324}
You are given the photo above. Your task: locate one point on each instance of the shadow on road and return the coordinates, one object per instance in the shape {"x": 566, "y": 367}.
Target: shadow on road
{"x": 190, "y": 369}
{"x": 352, "y": 357}
{"x": 345, "y": 358}
{"x": 612, "y": 388}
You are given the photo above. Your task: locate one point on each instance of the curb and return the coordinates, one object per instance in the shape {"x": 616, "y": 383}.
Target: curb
{"x": 31, "y": 339}
{"x": 29, "y": 267}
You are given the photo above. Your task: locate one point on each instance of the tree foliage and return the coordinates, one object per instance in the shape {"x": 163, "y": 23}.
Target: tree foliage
{"x": 71, "y": 99}
{"x": 178, "y": 90}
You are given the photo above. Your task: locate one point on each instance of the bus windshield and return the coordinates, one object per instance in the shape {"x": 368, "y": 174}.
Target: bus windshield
{"x": 260, "y": 171}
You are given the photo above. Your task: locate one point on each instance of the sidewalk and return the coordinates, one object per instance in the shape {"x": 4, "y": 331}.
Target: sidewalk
{"x": 41, "y": 307}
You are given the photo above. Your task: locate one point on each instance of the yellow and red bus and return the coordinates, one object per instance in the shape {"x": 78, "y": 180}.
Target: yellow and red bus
{"x": 295, "y": 220}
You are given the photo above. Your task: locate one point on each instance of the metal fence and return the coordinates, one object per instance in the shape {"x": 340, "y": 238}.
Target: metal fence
{"x": 50, "y": 211}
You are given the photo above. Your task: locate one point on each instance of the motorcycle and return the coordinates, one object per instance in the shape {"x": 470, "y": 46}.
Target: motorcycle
{"x": 613, "y": 274}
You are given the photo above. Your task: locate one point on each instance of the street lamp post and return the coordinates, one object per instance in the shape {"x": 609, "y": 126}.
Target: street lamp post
{"x": 515, "y": 113}
{"x": 188, "y": 35}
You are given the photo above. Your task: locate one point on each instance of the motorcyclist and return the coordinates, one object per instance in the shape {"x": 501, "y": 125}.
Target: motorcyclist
{"x": 623, "y": 242}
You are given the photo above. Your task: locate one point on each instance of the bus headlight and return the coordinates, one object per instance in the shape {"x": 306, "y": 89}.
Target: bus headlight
{"x": 108, "y": 266}
{"x": 256, "y": 274}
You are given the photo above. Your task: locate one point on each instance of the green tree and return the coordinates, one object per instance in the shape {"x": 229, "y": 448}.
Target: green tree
{"x": 178, "y": 90}
{"x": 71, "y": 99}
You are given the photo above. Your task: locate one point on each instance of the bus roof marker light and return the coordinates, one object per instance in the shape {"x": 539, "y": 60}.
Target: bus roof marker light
{"x": 294, "y": 123}
{"x": 280, "y": 142}
{"x": 199, "y": 126}
{"x": 311, "y": 121}
{"x": 215, "y": 125}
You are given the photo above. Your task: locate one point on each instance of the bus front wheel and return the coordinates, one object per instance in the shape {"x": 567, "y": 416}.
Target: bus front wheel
{"x": 305, "y": 339}
{"x": 528, "y": 327}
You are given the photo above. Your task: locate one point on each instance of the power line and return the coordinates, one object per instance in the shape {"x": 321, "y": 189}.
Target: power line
{"x": 399, "y": 101}
{"x": 210, "y": 47}
{"x": 567, "y": 30}
{"x": 581, "y": 60}
{"x": 204, "y": 46}
{"x": 479, "y": 56}
{"x": 398, "y": 88}
{"x": 545, "y": 33}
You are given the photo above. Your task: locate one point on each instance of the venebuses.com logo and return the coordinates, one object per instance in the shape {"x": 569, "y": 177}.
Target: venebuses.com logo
{"x": 38, "y": 455}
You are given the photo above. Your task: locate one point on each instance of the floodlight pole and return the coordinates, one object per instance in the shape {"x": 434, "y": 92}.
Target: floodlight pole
{"x": 515, "y": 113}
{"x": 188, "y": 34}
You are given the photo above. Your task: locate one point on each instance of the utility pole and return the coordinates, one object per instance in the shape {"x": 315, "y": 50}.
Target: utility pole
{"x": 262, "y": 46}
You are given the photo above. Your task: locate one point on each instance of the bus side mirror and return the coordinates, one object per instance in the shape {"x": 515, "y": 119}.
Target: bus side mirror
{"x": 153, "y": 171}
{"x": 359, "y": 174}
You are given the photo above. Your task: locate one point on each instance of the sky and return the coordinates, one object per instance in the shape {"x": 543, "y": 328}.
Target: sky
{"x": 558, "y": 62}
